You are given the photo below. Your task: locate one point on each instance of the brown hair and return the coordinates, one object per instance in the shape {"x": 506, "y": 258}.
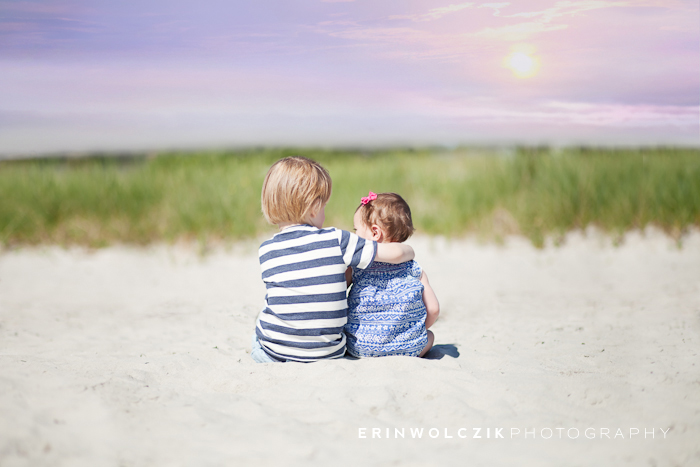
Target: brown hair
{"x": 294, "y": 187}
{"x": 391, "y": 213}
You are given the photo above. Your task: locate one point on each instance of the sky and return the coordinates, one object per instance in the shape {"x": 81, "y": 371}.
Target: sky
{"x": 128, "y": 75}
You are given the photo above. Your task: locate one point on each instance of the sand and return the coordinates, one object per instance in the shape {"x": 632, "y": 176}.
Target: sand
{"x": 128, "y": 356}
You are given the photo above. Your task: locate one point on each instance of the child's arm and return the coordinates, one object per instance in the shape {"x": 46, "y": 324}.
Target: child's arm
{"x": 431, "y": 302}
{"x": 394, "y": 253}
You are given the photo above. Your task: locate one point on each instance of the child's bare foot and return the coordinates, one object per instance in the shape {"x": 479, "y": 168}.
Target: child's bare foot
{"x": 429, "y": 345}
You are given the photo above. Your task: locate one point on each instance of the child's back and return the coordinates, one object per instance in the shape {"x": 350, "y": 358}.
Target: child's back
{"x": 386, "y": 311}
{"x": 303, "y": 268}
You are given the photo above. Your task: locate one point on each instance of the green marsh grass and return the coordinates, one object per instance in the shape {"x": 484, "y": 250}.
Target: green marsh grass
{"x": 536, "y": 192}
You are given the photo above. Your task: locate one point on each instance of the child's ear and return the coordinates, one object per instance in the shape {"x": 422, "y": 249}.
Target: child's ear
{"x": 377, "y": 233}
{"x": 310, "y": 214}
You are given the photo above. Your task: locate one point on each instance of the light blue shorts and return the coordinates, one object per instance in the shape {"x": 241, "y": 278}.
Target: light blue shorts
{"x": 258, "y": 354}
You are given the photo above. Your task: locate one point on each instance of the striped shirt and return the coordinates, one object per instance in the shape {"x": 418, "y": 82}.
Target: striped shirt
{"x": 306, "y": 302}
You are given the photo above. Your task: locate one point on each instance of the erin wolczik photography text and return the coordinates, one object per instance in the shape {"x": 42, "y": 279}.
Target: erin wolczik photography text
{"x": 511, "y": 433}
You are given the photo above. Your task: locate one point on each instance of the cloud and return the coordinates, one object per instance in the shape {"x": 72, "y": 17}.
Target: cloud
{"x": 435, "y": 13}
{"x": 397, "y": 35}
{"x": 495, "y": 6}
{"x": 667, "y": 4}
{"x": 567, "y": 113}
{"x": 16, "y": 27}
{"x": 337, "y": 23}
{"x": 405, "y": 42}
{"x": 541, "y": 21}
{"x": 616, "y": 115}
{"x": 37, "y": 8}
{"x": 568, "y": 8}
{"x": 518, "y": 32}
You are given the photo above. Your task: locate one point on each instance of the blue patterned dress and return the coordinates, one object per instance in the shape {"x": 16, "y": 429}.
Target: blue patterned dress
{"x": 386, "y": 313}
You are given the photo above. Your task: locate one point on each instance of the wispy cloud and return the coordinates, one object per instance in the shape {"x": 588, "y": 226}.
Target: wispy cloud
{"x": 37, "y": 8}
{"x": 16, "y": 27}
{"x": 337, "y": 23}
{"x": 435, "y": 13}
{"x": 541, "y": 21}
{"x": 568, "y": 8}
{"x": 496, "y": 7}
{"x": 688, "y": 5}
{"x": 640, "y": 116}
{"x": 564, "y": 113}
{"x": 519, "y": 32}
{"x": 384, "y": 34}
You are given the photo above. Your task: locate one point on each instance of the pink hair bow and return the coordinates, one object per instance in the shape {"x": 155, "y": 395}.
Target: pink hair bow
{"x": 370, "y": 197}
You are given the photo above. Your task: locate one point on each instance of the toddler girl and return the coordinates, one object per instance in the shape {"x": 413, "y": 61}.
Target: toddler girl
{"x": 390, "y": 306}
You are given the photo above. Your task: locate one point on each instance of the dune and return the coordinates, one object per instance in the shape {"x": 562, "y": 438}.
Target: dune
{"x": 580, "y": 354}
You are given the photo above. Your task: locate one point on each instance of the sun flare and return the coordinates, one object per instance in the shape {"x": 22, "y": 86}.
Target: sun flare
{"x": 522, "y": 64}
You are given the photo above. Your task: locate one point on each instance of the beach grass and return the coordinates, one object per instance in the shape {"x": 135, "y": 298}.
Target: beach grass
{"x": 536, "y": 192}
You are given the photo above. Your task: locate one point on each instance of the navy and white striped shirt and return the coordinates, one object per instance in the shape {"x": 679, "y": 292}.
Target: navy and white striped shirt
{"x": 306, "y": 306}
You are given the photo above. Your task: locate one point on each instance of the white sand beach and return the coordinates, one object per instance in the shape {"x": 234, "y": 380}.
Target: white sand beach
{"x": 130, "y": 356}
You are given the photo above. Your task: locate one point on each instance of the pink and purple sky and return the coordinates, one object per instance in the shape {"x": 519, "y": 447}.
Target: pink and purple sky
{"x": 129, "y": 75}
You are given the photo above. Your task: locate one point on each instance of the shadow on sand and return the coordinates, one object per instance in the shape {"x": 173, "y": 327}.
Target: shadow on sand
{"x": 439, "y": 351}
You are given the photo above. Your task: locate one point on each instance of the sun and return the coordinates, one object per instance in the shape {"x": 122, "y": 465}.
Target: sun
{"x": 522, "y": 64}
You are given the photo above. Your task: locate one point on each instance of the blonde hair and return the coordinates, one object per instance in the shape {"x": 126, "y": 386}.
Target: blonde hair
{"x": 391, "y": 213}
{"x": 293, "y": 188}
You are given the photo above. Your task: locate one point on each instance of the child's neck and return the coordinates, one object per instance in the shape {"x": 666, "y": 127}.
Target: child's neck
{"x": 286, "y": 226}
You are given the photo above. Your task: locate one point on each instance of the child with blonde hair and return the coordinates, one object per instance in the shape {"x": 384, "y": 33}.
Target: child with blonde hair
{"x": 303, "y": 267}
{"x": 390, "y": 306}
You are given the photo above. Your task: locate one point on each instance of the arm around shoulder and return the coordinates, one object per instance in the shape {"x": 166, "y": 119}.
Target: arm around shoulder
{"x": 394, "y": 253}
